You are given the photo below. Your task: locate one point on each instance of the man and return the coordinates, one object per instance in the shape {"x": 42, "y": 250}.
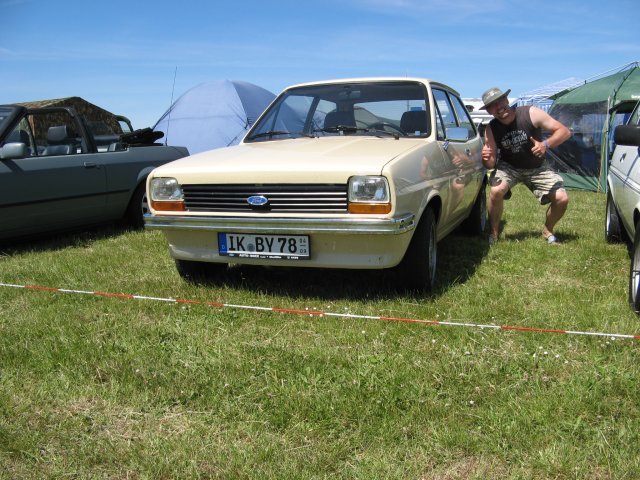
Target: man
{"x": 515, "y": 148}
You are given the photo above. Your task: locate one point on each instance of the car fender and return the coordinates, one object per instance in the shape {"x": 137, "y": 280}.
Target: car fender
{"x": 432, "y": 200}
{"x": 143, "y": 174}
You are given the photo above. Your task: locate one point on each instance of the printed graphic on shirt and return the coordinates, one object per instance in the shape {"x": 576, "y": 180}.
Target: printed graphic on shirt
{"x": 515, "y": 141}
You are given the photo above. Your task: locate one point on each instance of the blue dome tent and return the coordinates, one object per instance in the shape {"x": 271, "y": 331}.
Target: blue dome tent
{"x": 213, "y": 114}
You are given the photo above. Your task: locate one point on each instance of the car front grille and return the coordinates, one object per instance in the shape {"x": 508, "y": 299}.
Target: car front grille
{"x": 303, "y": 198}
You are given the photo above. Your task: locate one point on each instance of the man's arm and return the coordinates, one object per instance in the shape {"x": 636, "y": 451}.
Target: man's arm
{"x": 489, "y": 150}
{"x": 559, "y": 133}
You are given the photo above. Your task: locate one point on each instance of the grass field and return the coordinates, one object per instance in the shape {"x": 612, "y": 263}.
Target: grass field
{"x": 107, "y": 387}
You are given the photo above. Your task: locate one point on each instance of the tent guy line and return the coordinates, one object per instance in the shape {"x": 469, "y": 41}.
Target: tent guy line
{"x": 324, "y": 314}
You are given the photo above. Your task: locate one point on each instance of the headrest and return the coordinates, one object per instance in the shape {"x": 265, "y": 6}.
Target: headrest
{"x": 336, "y": 118}
{"x": 57, "y": 134}
{"x": 415, "y": 121}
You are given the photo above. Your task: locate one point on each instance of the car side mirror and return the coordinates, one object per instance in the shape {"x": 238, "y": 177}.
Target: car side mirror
{"x": 627, "y": 135}
{"x": 457, "y": 134}
{"x": 13, "y": 150}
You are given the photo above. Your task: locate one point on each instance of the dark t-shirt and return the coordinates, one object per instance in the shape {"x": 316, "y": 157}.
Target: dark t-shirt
{"x": 513, "y": 141}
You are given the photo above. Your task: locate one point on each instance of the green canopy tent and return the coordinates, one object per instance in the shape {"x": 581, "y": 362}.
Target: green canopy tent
{"x": 592, "y": 111}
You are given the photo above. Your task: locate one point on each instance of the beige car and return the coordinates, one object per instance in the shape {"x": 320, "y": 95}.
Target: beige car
{"x": 360, "y": 174}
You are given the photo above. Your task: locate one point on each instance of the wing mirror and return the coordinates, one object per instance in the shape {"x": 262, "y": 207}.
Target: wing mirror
{"x": 627, "y": 135}
{"x": 457, "y": 134}
{"x": 13, "y": 150}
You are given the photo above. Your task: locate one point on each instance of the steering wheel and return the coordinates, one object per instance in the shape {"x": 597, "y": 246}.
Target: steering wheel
{"x": 382, "y": 125}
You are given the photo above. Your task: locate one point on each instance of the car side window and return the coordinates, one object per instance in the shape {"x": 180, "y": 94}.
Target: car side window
{"x": 635, "y": 116}
{"x": 464, "y": 120}
{"x": 444, "y": 113}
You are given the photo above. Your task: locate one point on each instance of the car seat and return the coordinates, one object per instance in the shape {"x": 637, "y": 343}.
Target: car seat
{"x": 415, "y": 121}
{"x": 59, "y": 142}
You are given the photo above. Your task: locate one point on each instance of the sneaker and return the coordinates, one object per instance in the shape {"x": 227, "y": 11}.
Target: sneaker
{"x": 552, "y": 240}
{"x": 492, "y": 240}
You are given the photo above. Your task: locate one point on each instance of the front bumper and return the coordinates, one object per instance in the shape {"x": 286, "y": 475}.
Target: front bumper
{"x": 335, "y": 242}
{"x": 289, "y": 226}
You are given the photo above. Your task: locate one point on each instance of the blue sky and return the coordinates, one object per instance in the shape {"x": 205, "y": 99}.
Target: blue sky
{"x": 123, "y": 56}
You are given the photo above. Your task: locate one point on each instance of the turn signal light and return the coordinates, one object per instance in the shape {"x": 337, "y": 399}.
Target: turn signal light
{"x": 167, "y": 206}
{"x": 371, "y": 208}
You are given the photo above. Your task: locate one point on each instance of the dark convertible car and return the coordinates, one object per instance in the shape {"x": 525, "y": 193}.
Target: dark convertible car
{"x": 59, "y": 172}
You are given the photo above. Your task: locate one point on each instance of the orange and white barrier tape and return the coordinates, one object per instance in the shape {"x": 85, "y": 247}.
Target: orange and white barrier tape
{"x": 326, "y": 314}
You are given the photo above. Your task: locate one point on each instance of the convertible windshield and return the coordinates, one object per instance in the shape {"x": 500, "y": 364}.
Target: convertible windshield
{"x": 5, "y": 113}
{"x": 397, "y": 109}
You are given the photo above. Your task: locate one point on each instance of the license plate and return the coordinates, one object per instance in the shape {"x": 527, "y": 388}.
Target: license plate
{"x": 243, "y": 245}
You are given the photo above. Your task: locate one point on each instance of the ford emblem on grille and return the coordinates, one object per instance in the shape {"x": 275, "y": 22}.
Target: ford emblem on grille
{"x": 257, "y": 200}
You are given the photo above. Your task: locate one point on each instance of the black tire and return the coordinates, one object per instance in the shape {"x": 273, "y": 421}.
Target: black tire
{"x": 476, "y": 222}
{"x": 138, "y": 206}
{"x": 418, "y": 267}
{"x": 634, "y": 273}
{"x": 200, "y": 272}
{"x": 612, "y": 226}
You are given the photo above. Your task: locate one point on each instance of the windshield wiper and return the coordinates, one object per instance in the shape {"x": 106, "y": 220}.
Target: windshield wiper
{"x": 351, "y": 129}
{"x": 272, "y": 133}
{"x": 341, "y": 129}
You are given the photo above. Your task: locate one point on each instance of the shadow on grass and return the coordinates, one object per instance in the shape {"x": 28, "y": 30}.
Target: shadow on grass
{"x": 525, "y": 235}
{"x": 59, "y": 241}
{"x": 458, "y": 258}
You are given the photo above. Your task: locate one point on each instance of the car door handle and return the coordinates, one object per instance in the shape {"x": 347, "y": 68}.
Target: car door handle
{"x": 623, "y": 156}
{"x": 90, "y": 165}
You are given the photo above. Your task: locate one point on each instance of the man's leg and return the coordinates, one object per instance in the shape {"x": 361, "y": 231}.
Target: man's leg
{"x": 496, "y": 205}
{"x": 559, "y": 202}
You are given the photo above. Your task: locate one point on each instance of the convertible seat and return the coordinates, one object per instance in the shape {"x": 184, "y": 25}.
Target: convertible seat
{"x": 59, "y": 142}
{"x": 415, "y": 121}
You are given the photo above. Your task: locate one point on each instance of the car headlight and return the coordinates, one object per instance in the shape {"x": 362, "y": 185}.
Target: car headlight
{"x": 165, "y": 193}
{"x": 369, "y": 194}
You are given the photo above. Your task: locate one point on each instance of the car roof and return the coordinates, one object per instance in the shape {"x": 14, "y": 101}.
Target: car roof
{"x": 338, "y": 81}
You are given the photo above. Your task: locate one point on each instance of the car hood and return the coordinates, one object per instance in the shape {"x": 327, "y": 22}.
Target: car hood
{"x": 321, "y": 160}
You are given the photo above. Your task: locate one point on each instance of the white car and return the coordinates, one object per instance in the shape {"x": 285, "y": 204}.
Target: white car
{"x": 623, "y": 199}
{"x": 359, "y": 174}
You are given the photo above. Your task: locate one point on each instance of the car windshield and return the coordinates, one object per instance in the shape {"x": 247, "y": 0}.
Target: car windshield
{"x": 5, "y": 113}
{"x": 395, "y": 109}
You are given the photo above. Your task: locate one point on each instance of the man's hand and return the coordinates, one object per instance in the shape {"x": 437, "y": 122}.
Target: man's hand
{"x": 539, "y": 148}
{"x": 488, "y": 158}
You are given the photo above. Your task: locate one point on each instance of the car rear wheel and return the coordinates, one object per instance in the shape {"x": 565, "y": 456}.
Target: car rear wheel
{"x": 200, "y": 272}
{"x": 476, "y": 222}
{"x": 634, "y": 273}
{"x": 612, "y": 228}
{"x": 418, "y": 267}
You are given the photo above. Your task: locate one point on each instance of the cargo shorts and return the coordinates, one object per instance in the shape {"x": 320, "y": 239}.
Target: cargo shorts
{"x": 541, "y": 181}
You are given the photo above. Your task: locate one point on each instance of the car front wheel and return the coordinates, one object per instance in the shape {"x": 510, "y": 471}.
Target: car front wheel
{"x": 634, "y": 273}
{"x": 418, "y": 267}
